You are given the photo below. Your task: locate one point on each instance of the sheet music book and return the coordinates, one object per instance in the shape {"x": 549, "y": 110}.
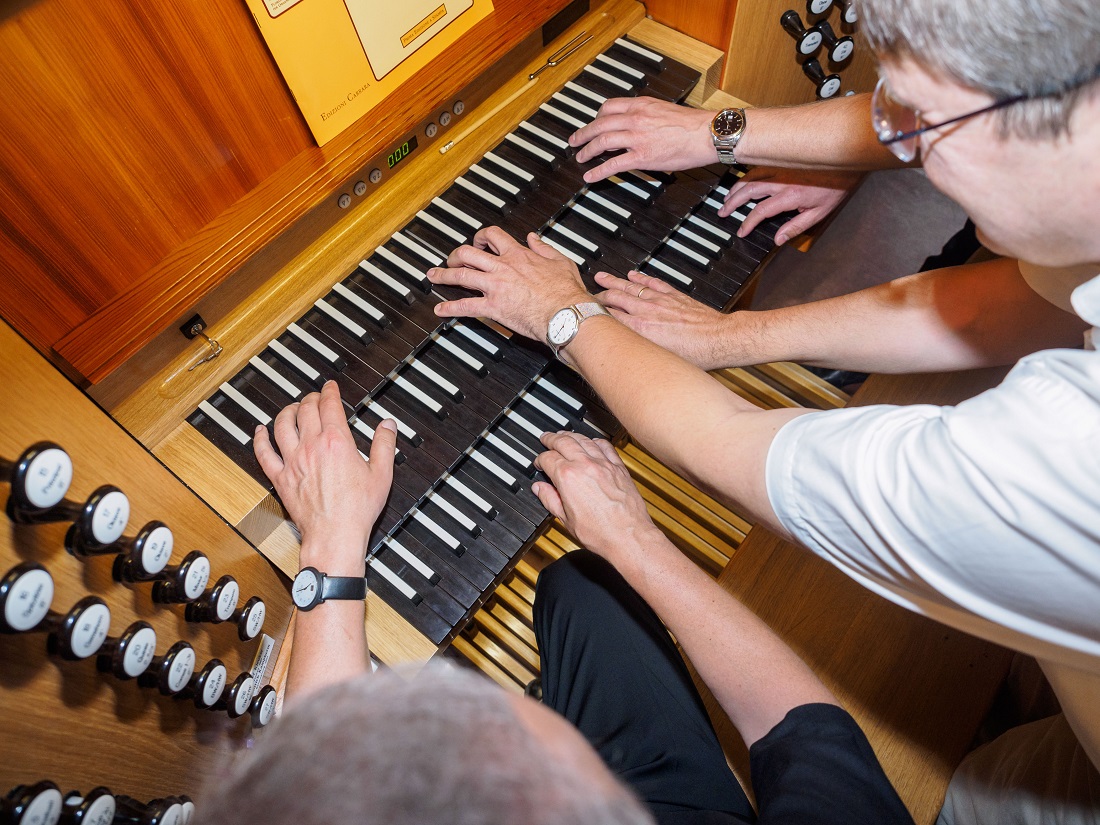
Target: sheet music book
{"x": 342, "y": 58}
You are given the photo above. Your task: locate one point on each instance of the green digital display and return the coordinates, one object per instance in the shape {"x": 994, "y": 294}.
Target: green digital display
{"x": 401, "y": 152}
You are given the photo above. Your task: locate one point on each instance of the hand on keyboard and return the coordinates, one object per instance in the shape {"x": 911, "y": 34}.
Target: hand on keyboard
{"x": 332, "y": 495}
{"x": 668, "y": 317}
{"x": 521, "y": 286}
{"x": 655, "y": 134}
{"x": 813, "y": 194}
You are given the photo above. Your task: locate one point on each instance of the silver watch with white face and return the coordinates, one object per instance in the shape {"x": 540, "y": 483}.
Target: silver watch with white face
{"x": 566, "y": 323}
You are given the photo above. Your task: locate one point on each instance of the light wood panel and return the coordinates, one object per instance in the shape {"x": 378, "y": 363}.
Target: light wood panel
{"x": 148, "y": 150}
{"x": 708, "y": 21}
{"x": 63, "y": 720}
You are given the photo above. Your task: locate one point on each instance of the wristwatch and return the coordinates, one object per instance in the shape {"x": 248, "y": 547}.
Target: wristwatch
{"x": 727, "y": 128}
{"x": 565, "y": 323}
{"x": 311, "y": 587}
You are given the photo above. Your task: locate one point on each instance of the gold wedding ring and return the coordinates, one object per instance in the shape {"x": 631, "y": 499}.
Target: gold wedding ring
{"x": 643, "y": 289}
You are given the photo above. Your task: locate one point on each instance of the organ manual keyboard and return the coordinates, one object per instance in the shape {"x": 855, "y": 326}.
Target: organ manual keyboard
{"x": 470, "y": 399}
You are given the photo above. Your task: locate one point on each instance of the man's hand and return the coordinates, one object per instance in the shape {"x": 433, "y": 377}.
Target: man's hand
{"x": 593, "y": 494}
{"x": 814, "y": 194}
{"x": 656, "y": 135}
{"x": 521, "y": 287}
{"x": 660, "y": 312}
{"x": 332, "y": 494}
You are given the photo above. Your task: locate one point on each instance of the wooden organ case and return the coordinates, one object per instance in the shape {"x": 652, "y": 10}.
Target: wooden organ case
{"x": 156, "y": 168}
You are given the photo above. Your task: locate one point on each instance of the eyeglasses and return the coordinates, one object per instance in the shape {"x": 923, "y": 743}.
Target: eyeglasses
{"x": 898, "y": 126}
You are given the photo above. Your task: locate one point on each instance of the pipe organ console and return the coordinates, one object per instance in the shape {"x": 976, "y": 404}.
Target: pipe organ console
{"x": 328, "y": 283}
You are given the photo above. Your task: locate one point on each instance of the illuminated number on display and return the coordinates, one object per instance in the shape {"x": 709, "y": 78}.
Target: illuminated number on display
{"x": 396, "y": 155}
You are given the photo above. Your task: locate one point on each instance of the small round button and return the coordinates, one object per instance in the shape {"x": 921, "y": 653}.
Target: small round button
{"x": 375, "y": 175}
{"x": 360, "y": 187}
{"x": 459, "y": 107}
{"x": 829, "y": 88}
{"x": 431, "y": 130}
{"x": 842, "y": 50}
{"x": 344, "y": 201}
{"x": 445, "y": 119}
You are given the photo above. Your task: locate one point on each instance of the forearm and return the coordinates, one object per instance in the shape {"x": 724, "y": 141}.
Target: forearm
{"x": 330, "y": 641}
{"x": 684, "y": 416}
{"x": 831, "y": 134}
{"x": 754, "y": 676}
{"x": 964, "y": 317}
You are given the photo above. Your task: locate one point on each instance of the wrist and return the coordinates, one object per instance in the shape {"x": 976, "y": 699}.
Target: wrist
{"x": 334, "y": 556}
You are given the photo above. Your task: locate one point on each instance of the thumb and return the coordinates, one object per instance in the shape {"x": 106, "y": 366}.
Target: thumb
{"x": 550, "y": 499}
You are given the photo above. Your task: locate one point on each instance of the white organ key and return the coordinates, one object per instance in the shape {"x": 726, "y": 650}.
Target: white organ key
{"x": 564, "y": 100}
{"x": 383, "y": 413}
{"x": 274, "y": 377}
{"x": 622, "y": 67}
{"x": 645, "y": 176}
{"x": 553, "y": 140}
{"x": 409, "y": 559}
{"x": 336, "y": 315}
{"x": 479, "y": 340}
{"x": 714, "y": 230}
{"x": 567, "y": 119}
{"x": 525, "y": 424}
{"x": 442, "y": 227}
{"x": 530, "y": 148}
{"x": 357, "y": 300}
{"x": 384, "y": 279}
{"x": 459, "y": 353}
{"x": 466, "y": 523}
{"x": 478, "y": 192}
{"x": 368, "y": 431}
{"x": 457, "y": 213}
{"x": 683, "y": 250}
{"x": 569, "y": 233}
{"x": 490, "y": 465}
{"x": 436, "y": 378}
{"x": 722, "y": 190}
{"x": 392, "y": 578}
{"x": 646, "y": 53}
{"x": 587, "y": 213}
{"x": 363, "y": 455}
{"x": 522, "y": 174}
{"x": 425, "y": 399}
{"x": 608, "y": 78}
{"x": 496, "y": 180}
{"x": 215, "y": 415}
{"x": 695, "y": 238}
{"x": 472, "y": 497}
{"x": 573, "y": 256}
{"x": 559, "y": 393}
{"x": 668, "y": 270}
{"x": 244, "y": 403}
{"x": 417, "y": 249}
{"x": 294, "y": 361}
{"x": 310, "y": 341}
{"x": 402, "y": 264}
{"x": 611, "y": 206}
{"x": 515, "y": 455}
{"x": 631, "y": 188}
{"x": 713, "y": 203}
{"x": 591, "y": 95}
{"x": 546, "y": 410}
{"x": 436, "y": 530}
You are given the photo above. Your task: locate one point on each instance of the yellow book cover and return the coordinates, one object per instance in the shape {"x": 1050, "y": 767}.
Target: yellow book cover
{"x": 341, "y": 58}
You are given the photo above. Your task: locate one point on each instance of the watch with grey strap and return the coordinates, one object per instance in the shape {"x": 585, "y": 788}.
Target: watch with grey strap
{"x": 727, "y": 129}
{"x": 565, "y": 323}
{"x": 312, "y": 587}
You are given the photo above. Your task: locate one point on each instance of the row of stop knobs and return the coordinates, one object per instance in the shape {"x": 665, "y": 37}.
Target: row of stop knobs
{"x": 40, "y": 480}
{"x": 809, "y": 41}
{"x": 43, "y": 804}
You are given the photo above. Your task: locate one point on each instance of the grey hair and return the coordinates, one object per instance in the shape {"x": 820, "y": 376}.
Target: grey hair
{"x": 445, "y": 746}
{"x": 1001, "y": 47}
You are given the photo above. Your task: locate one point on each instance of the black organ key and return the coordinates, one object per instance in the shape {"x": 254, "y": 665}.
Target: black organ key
{"x": 417, "y": 613}
{"x": 436, "y": 569}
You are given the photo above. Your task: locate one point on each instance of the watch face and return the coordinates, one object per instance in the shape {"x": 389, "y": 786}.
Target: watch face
{"x": 729, "y": 122}
{"x": 306, "y": 590}
{"x": 563, "y": 326}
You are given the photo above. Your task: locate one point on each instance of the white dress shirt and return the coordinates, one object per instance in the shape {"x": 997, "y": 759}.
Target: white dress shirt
{"x": 984, "y": 516}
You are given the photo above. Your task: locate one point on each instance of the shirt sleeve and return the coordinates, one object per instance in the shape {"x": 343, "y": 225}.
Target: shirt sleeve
{"x": 817, "y": 768}
{"x": 976, "y": 515}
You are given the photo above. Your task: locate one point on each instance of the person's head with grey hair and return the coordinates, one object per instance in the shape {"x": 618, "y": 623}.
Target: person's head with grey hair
{"x": 1048, "y": 50}
{"x": 1001, "y": 99}
{"x": 445, "y": 746}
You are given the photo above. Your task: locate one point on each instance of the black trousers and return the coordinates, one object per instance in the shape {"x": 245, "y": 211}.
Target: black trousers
{"x": 610, "y": 667}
